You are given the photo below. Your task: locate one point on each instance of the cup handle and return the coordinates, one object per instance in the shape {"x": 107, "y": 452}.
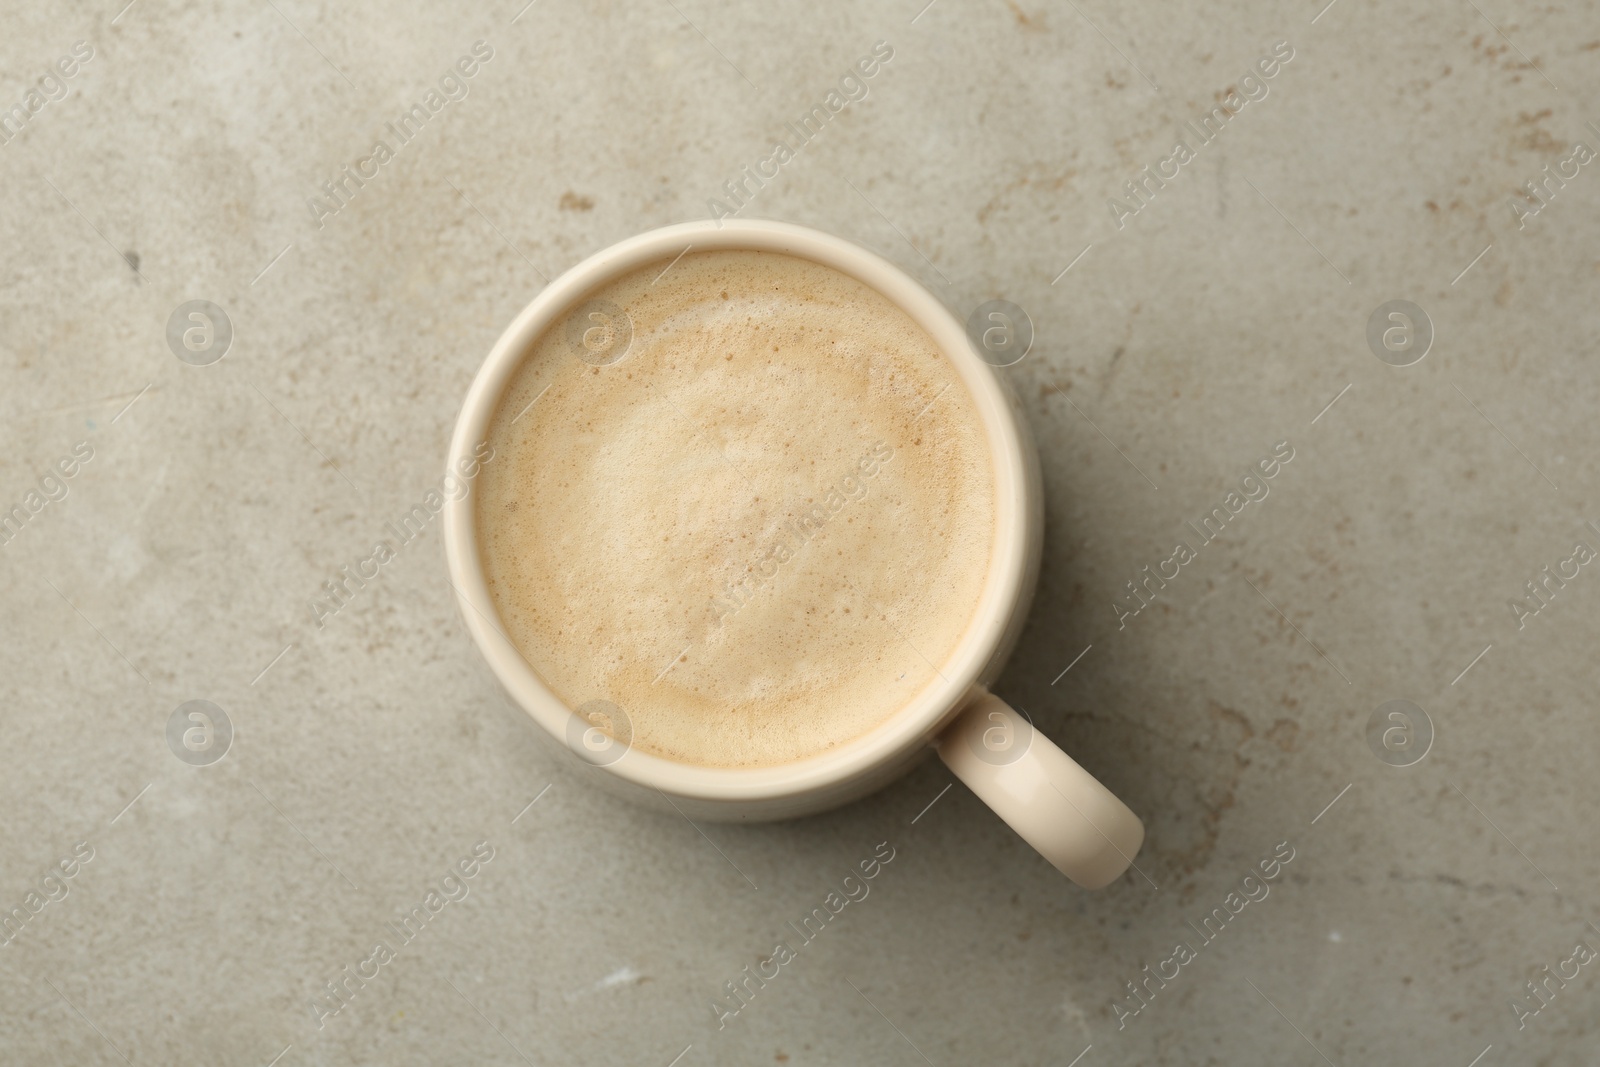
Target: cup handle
{"x": 1058, "y": 807}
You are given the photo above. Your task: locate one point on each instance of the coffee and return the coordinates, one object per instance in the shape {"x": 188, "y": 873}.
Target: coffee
{"x": 742, "y": 497}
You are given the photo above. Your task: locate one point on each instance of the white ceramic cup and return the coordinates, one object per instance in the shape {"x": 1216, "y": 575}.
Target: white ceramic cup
{"x": 1057, "y": 806}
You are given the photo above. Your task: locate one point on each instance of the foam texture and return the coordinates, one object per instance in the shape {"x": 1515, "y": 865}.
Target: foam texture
{"x": 760, "y": 533}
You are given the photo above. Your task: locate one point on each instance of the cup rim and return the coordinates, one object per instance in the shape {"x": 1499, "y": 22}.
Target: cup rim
{"x": 913, "y": 725}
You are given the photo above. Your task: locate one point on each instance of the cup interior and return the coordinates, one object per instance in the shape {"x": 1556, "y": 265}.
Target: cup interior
{"x": 915, "y": 724}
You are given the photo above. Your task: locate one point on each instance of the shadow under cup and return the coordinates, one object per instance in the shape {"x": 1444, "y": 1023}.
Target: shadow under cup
{"x": 598, "y": 731}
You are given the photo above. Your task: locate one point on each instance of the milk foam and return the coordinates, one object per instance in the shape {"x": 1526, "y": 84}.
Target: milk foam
{"x": 761, "y": 532}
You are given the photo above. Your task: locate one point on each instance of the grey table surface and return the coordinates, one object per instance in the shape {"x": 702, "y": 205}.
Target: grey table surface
{"x": 1182, "y": 332}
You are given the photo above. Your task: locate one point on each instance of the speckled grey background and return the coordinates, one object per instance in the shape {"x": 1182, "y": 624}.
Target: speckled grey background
{"x": 372, "y": 755}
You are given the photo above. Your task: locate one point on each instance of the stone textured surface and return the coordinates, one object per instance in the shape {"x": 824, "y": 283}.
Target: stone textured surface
{"x": 1218, "y": 321}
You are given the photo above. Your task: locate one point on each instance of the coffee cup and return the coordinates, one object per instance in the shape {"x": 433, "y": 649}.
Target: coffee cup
{"x": 1047, "y": 798}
